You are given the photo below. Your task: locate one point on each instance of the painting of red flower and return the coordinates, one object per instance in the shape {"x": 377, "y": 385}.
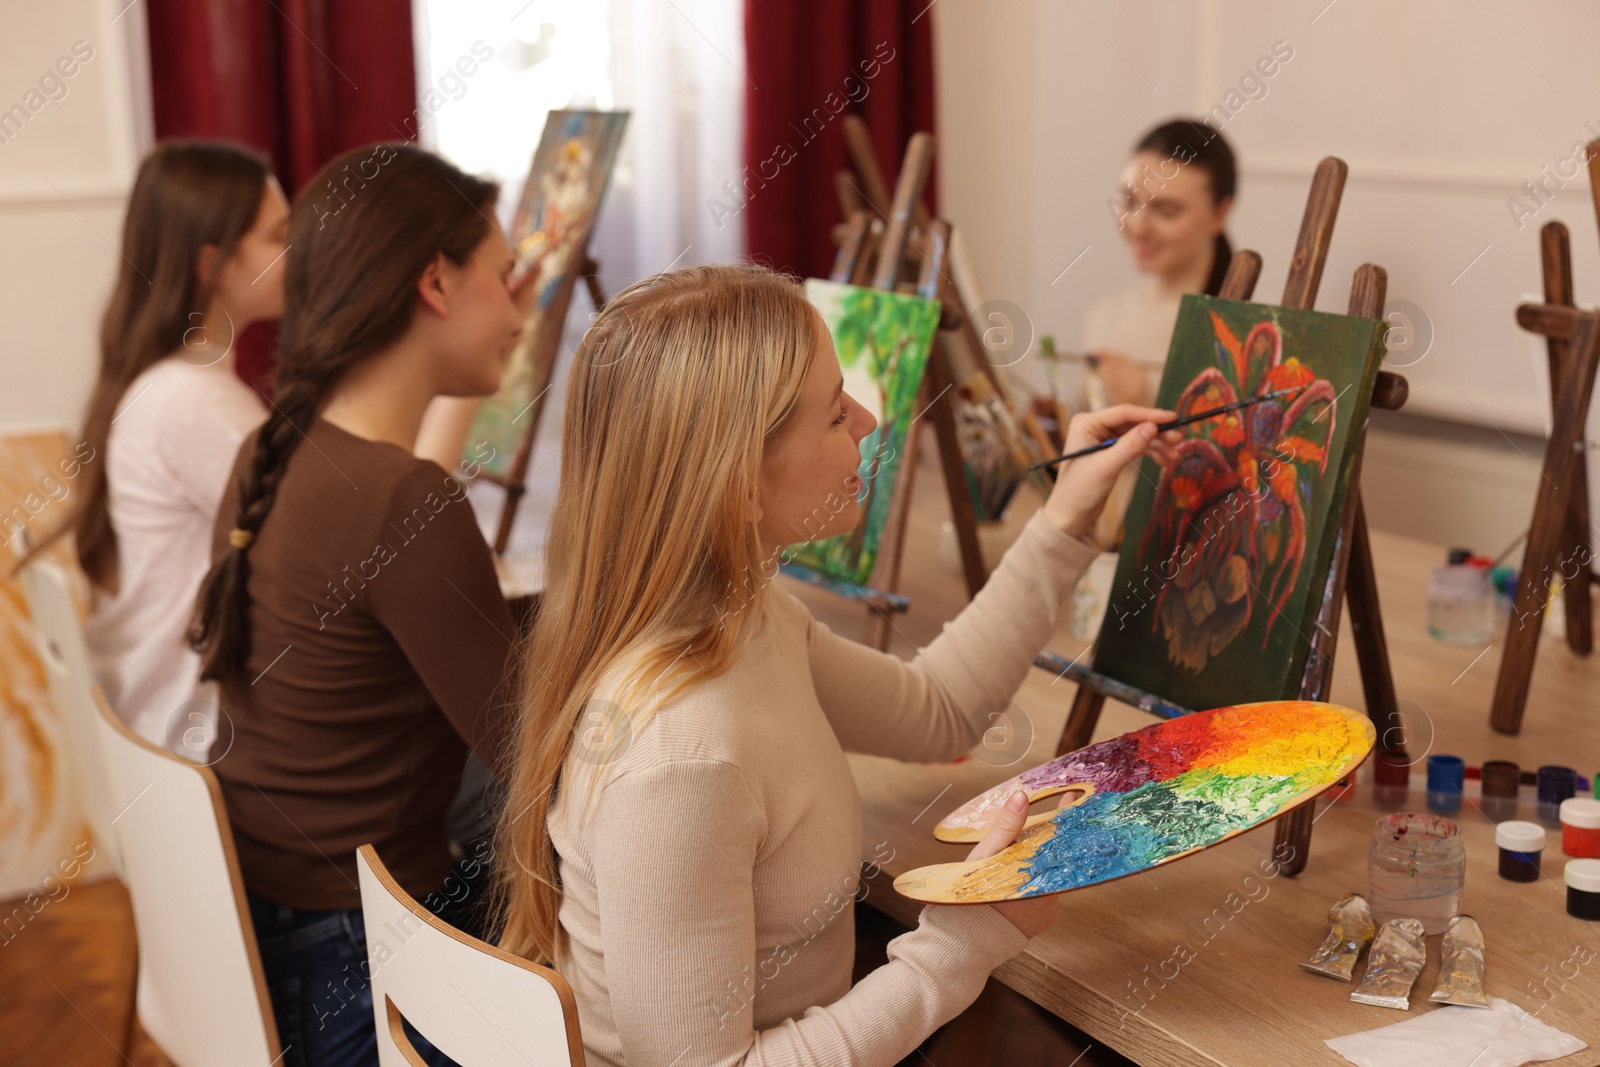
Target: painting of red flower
{"x": 1229, "y": 544}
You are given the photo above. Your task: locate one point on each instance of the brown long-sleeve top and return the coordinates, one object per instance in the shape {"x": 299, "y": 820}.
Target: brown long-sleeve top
{"x": 708, "y": 865}
{"x": 379, "y": 647}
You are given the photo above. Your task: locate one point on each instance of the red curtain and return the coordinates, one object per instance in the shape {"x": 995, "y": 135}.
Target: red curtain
{"x": 808, "y": 62}
{"x": 298, "y": 80}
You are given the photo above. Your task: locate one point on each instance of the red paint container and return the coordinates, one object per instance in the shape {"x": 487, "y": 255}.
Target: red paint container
{"x": 1580, "y": 827}
{"x": 1391, "y": 777}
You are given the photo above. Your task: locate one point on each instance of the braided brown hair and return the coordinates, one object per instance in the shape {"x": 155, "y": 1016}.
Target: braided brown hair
{"x": 363, "y": 231}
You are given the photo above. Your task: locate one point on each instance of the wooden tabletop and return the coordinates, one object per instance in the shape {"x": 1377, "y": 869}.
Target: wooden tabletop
{"x": 1197, "y": 962}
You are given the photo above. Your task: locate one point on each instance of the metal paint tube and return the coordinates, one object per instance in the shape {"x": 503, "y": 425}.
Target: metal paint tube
{"x": 1461, "y": 965}
{"x": 1351, "y": 930}
{"x": 1397, "y": 957}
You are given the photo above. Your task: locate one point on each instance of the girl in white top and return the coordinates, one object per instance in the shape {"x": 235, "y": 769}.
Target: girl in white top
{"x": 202, "y": 258}
{"x": 1177, "y": 191}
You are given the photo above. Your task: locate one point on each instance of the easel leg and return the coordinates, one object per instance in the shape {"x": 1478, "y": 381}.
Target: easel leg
{"x": 1291, "y": 843}
{"x": 1555, "y": 254}
{"x": 1576, "y": 593}
{"x": 1081, "y": 722}
{"x": 943, "y": 415}
{"x": 1366, "y": 625}
{"x": 878, "y": 629}
{"x": 1546, "y": 536}
{"x": 508, "y": 515}
{"x": 879, "y": 625}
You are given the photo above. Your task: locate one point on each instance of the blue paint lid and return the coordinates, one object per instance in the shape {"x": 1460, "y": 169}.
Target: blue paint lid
{"x": 1446, "y": 774}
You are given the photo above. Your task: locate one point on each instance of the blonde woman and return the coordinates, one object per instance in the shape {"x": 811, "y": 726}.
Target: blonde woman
{"x": 683, "y": 830}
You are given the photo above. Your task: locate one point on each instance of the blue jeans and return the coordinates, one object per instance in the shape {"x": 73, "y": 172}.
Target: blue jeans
{"x": 317, "y": 976}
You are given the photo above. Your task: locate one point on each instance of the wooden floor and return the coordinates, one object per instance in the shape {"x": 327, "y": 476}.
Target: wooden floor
{"x": 66, "y": 980}
{"x": 66, "y": 983}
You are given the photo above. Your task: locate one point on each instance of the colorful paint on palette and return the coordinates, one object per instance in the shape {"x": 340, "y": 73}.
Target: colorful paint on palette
{"x": 1149, "y": 797}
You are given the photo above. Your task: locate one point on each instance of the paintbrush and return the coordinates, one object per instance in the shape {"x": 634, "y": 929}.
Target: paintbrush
{"x": 1200, "y": 416}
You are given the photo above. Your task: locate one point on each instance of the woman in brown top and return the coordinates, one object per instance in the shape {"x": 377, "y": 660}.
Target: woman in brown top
{"x": 352, "y": 614}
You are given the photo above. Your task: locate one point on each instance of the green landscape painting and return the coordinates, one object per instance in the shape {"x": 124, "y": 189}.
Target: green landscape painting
{"x": 882, "y": 340}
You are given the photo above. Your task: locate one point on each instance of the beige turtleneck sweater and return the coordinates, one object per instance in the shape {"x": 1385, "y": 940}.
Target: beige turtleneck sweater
{"x": 708, "y": 877}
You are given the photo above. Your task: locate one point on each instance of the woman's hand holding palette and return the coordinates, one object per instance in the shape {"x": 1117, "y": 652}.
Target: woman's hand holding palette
{"x": 1149, "y": 797}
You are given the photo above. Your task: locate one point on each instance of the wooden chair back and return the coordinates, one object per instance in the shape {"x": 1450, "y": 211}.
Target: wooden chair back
{"x": 201, "y": 994}
{"x": 66, "y": 658}
{"x": 480, "y": 1005}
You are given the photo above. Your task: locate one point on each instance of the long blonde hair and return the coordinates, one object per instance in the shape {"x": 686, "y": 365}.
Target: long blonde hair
{"x": 654, "y": 562}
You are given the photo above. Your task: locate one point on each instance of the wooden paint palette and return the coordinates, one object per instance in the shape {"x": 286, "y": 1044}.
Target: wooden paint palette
{"x": 1149, "y": 797}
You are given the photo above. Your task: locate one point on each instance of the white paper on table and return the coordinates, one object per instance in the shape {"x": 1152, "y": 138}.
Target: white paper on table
{"x": 1501, "y": 1035}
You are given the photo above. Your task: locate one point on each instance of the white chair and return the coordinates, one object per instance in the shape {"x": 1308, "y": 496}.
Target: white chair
{"x": 201, "y": 994}
{"x": 66, "y": 659}
{"x": 482, "y": 1006}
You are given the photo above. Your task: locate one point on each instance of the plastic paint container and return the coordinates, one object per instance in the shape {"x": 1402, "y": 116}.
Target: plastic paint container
{"x": 1461, "y": 604}
{"x": 1583, "y": 889}
{"x": 1580, "y": 827}
{"x": 1556, "y": 784}
{"x": 1446, "y": 777}
{"x": 1391, "y": 777}
{"x": 1520, "y": 844}
{"x": 1501, "y": 781}
{"x": 1416, "y": 864}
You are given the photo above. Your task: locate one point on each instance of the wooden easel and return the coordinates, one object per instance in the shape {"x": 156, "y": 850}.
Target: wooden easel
{"x": 515, "y": 480}
{"x": 1351, "y": 576}
{"x": 863, "y": 188}
{"x": 1559, "y": 532}
{"x": 874, "y": 251}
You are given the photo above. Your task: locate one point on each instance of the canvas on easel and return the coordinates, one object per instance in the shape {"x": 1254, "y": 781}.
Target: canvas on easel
{"x": 554, "y": 220}
{"x": 906, "y": 295}
{"x": 895, "y": 245}
{"x": 1215, "y": 597}
{"x": 1347, "y": 573}
{"x": 1010, "y": 438}
{"x": 883, "y": 341}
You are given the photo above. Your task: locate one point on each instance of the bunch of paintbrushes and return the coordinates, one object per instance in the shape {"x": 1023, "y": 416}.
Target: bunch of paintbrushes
{"x": 995, "y": 449}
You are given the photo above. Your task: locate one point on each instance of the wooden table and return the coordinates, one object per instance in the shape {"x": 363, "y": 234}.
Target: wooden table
{"x": 1112, "y": 964}
{"x": 1196, "y": 962}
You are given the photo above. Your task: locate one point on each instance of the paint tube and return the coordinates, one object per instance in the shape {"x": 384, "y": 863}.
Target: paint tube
{"x": 1351, "y": 930}
{"x": 1461, "y": 965}
{"x": 1397, "y": 957}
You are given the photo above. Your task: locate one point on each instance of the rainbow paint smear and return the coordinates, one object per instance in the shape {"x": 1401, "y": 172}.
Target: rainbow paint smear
{"x": 1149, "y": 797}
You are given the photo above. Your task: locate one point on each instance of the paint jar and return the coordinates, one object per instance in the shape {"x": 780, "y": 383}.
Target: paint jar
{"x": 1502, "y": 780}
{"x": 1583, "y": 889}
{"x": 1556, "y": 784}
{"x": 1416, "y": 865}
{"x": 1391, "y": 777}
{"x": 1580, "y": 827}
{"x": 1460, "y": 604}
{"x": 1447, "y": 776}
{"x": 1521, "y": 844}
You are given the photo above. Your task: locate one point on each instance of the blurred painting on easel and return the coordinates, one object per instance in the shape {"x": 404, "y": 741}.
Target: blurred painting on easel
{"x": 551, "y": 228}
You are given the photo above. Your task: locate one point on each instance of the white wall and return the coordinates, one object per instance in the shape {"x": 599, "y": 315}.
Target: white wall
{"x": 64, "y": 179}
{"x": 1442, "y": 111}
